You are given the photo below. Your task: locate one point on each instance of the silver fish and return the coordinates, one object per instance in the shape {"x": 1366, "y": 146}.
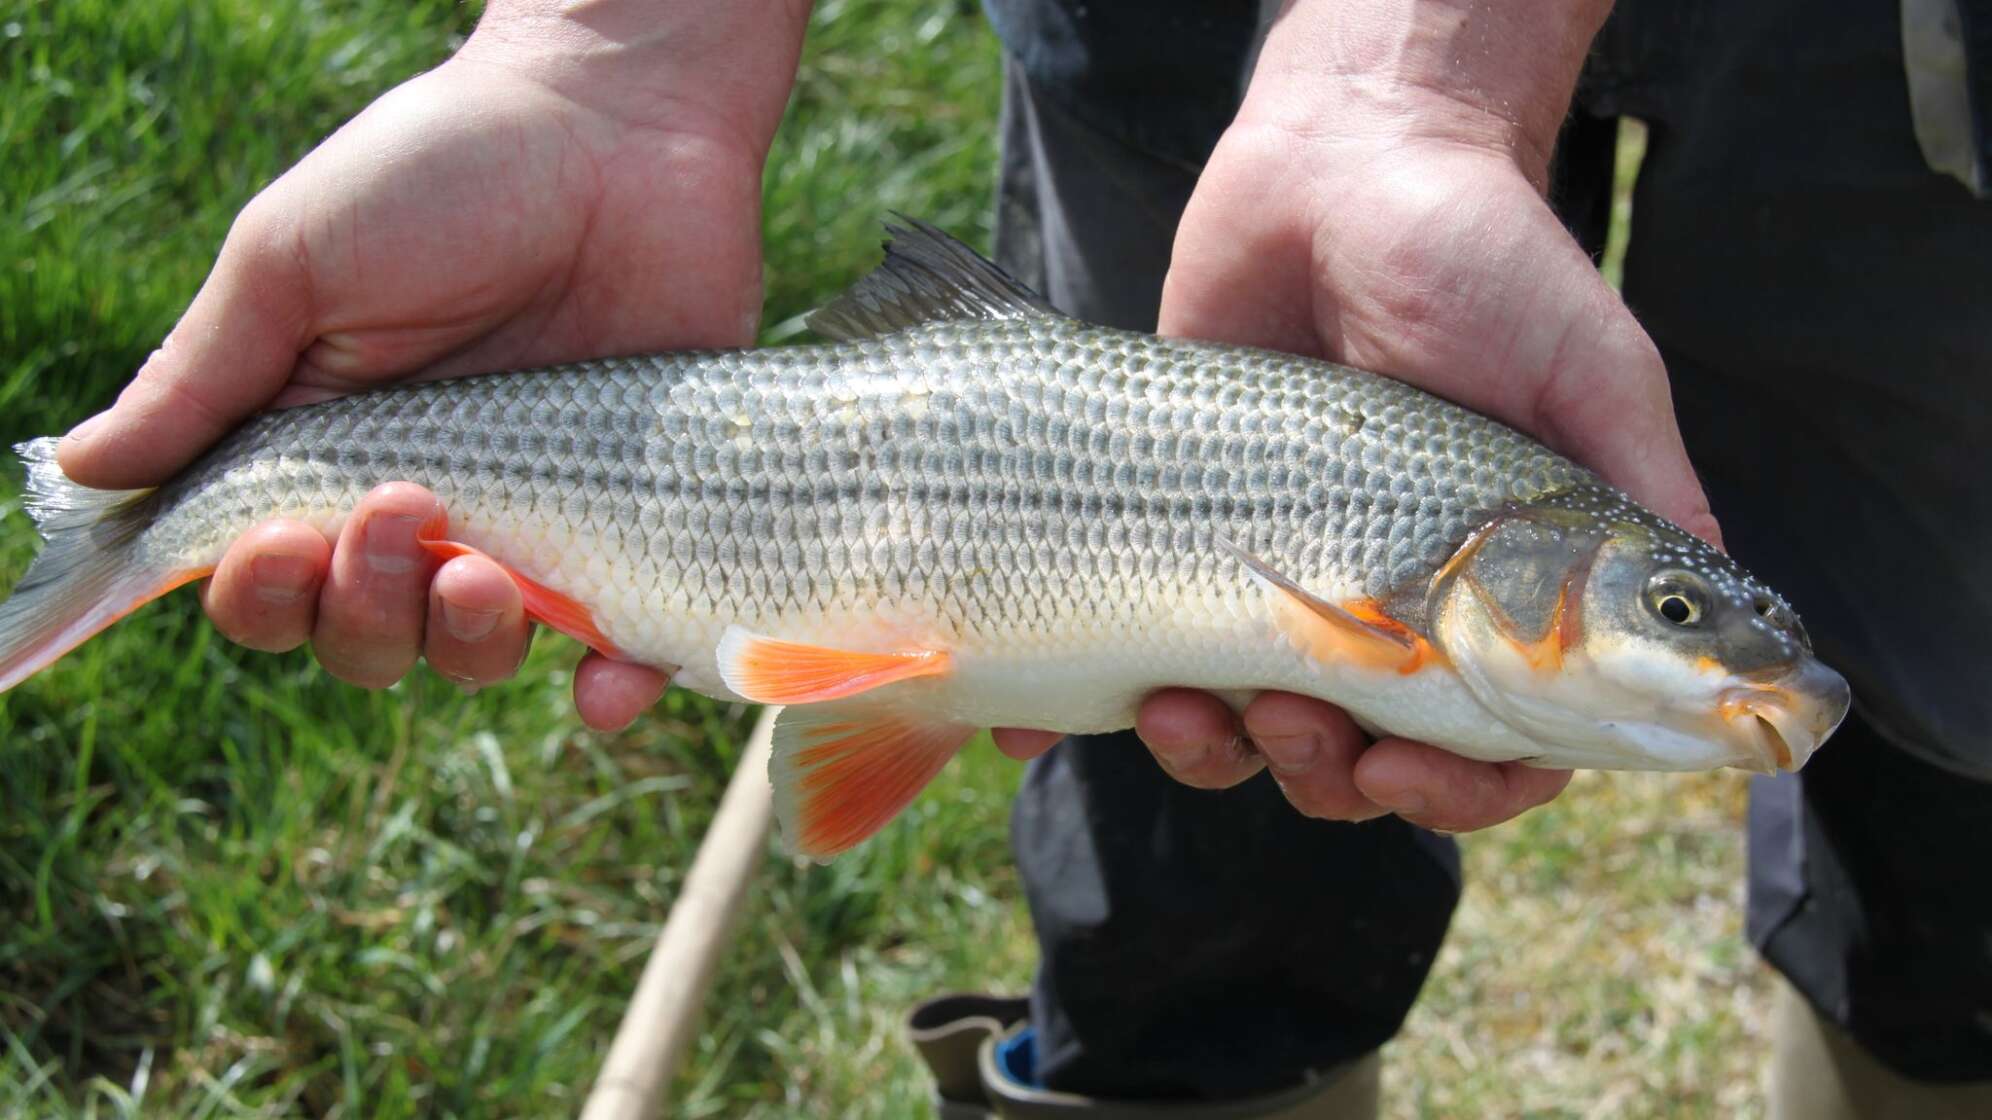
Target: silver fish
{"x": 972, "y": 511}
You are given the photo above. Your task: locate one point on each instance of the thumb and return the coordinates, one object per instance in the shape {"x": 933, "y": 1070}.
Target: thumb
{"x": 1610, "y": 408}
{"x": 229, "y": 354}
{"x": 1239, "y": 270}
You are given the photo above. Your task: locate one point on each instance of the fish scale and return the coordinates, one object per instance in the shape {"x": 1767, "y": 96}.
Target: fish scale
{"x": 1093, "y": 468}
{"x": 966, "y": 511}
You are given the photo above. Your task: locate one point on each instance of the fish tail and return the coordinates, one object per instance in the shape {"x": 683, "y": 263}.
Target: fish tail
{"x": 91, "y": 570}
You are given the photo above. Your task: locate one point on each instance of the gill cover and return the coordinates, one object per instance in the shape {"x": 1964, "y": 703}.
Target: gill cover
{"x": 1508, "y": 609}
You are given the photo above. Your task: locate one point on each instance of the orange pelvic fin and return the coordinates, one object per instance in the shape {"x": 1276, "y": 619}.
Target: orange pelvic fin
{"x": 772, "y": 671}
{"x": 1358, "y": 632}
{"x": 544, "y": 605}
{"x": 841, "y": 771}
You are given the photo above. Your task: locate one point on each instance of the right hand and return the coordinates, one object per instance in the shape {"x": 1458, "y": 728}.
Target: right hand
{"x": 514, "y": 207}
{"x": 1378, "y": 201}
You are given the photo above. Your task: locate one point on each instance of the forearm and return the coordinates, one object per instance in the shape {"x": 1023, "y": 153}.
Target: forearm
{"x": 1498, "y": 73}
{"x": 645, "y": 61}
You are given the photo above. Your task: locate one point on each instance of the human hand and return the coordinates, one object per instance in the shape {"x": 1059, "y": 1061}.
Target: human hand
{"x": 1378, "y": 201}
{"x": 544, "y": 195}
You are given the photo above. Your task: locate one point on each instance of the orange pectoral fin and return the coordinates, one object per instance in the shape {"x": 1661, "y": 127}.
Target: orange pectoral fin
{"x": 544, "y": 605}
{"x": 841, "y": 771}
{"x": 771, "y": 671}
{"x": 1358, "y": 632}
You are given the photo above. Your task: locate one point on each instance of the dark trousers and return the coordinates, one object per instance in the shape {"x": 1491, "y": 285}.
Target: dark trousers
{"x": 1193, "y": 943}
{"x": 1214, "y": 944}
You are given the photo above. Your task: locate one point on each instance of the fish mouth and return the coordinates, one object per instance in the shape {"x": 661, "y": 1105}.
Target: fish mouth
{"x": 1782, "y": 722}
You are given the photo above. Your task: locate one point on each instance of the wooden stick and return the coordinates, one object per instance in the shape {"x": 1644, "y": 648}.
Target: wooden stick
{"x": 664, "y": 1011}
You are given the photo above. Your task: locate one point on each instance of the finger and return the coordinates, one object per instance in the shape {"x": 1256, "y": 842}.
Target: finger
{"x": 611, "y": 694}
{"x": 1024, "y": 744}
{"x": 477, "y": 631}
{"x": 264, "y": 593}
{"x": 1438, "y": 789}
{"x": 1311, "y": 747}
{"x": 1196, "y": 738}
{"x": 372, "y": 612}
{"x": 226, "y": 357}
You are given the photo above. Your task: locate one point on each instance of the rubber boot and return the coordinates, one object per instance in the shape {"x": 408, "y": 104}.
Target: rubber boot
{"x": 1818, "y": 1072}
{"x": 980, "y": 1050}
{"x": 948, "y": 1031}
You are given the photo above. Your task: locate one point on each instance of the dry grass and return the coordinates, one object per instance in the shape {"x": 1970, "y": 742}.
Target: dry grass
{"x": 1597, "y": 965}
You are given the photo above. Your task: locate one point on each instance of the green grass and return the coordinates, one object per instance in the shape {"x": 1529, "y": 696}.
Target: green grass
{"x": 230, "y": 887}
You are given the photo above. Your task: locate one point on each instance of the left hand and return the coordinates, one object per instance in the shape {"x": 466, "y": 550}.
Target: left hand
{"x": 540, "y": 197}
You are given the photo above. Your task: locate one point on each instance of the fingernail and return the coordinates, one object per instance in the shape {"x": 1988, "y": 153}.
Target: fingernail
{"x": 467, "y": 624}
{"x": 1289, "y": 754}
{"x": 282, "y": 579}
{"x": 1408, "y": 803}
{"x": 84, "y": 430}
{"x": 390, "y": 543}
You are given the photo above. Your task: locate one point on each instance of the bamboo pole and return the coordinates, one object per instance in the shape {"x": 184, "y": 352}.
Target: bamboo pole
{"x": 663, "y": 1013}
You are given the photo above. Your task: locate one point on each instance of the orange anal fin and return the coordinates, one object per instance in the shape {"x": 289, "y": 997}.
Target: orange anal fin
{"x": 1358, "y": 632}
{"x": 841, "y": 771}
{"x": 544, "y": 605}
{"x": 771, "y": 671}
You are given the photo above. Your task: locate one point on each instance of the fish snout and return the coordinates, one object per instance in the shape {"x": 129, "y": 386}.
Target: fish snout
{"x": 1784, "y": 721}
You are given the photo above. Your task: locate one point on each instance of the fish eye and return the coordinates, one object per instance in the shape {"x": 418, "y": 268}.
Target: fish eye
{"x": 1677, "y": 600}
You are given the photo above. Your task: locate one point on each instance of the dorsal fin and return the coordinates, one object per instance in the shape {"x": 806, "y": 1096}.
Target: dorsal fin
{"x": 927, "y": 277}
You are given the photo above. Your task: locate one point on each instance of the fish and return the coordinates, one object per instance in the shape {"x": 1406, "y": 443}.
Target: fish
{"x": 967, "y": 510}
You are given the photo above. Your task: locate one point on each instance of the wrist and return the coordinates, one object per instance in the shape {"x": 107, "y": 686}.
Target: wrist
{"x": 1492, "y": 75}
{"x": 651, "y": 63}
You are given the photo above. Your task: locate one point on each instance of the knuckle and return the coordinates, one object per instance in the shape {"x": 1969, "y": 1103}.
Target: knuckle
{"x": 170, "y": 389}
{"x": 264, "y": 233}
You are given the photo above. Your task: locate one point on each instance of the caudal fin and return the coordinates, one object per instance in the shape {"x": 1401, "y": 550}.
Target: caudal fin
{"x": 89, "y": 573}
